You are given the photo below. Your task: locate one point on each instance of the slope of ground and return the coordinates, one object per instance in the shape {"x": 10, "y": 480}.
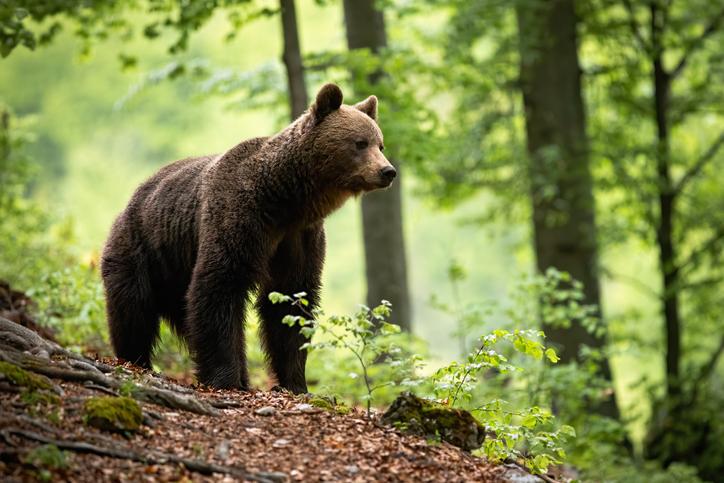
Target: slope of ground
{"x": 193, "y": 433}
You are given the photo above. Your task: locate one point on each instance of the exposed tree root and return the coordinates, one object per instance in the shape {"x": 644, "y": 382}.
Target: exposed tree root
{"x": 154, "y": 458}
{"x": 26, "y": 349}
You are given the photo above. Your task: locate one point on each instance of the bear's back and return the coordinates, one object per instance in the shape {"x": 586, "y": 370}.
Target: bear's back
{"x": 165, "y": 210}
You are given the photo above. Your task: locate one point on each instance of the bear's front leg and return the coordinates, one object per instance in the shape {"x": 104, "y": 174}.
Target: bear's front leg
{"x": 215, "y": 320}
{"x": 296, "y": 266}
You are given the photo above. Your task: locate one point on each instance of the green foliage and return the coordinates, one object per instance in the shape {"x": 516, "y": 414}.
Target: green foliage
{"x": 127, "y": 388}
{"x": 642, "y": 164}
{"x": 29, "y": 241}
{"x": 260, "y": 88}
{"x": 47, "y": 458}
{"x": 16, "y": 15}
{"x": 451, "y": 111}
{"x": 71, "y": 301}
{"x": 504, "y": 383}
{"x": 37, "y": 23}
{"x": 693, "y": 421}
{"x": 467, "y": 316}
{"x": 375, "y": 344}
{"x": 171, "y": 355}
{"x": 526, "y": 433}
{"x": 403, "y": 115}
{"x": 457, "y": 380}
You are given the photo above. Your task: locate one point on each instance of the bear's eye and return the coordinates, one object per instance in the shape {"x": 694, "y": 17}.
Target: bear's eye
{"x": 361, "y": 145}
{"x": 382, "y": 147}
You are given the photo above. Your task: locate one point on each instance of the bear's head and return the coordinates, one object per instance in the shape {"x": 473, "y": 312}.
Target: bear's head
{"x": 347, "y": 144}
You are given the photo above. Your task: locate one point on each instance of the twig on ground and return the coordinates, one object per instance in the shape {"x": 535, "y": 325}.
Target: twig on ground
{"x": 90, "y": 385}
{"x": 149, "y": 457}
{"x": 225, "y": 403}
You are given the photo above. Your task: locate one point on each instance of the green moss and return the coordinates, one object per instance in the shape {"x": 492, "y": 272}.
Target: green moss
{"x": 342, "y": 409}
{"x": 40, "y": 397}
{"x": 127, "y": 388}
{"x": 322, "y": 403}
{"x": 46, "y": 456}
{"x": 119, "y": 414}
{"x": 329, "y": 404}
{"x": 37, "y": 389}
{"x": 414, "y": 415}
{"x": 21, "y": 377}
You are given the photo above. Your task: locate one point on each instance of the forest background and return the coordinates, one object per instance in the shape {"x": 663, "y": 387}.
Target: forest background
{"x": 582, "y": 136}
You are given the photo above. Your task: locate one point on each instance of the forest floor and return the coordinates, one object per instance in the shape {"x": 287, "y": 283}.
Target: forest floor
{"x": 193, "y": 433}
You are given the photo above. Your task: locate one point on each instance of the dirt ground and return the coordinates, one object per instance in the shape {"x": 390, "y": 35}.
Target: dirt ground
{"x": 192, "y": 433}
{"x": 272, "y": 436}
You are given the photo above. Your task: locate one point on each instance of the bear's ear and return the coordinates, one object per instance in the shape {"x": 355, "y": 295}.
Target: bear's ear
{"x": 329, "y": 98}
{"x": 369, "y": 107}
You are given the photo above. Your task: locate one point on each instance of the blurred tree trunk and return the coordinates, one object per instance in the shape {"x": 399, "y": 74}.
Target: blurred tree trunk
{"x": 292, "y": 58}
{"x": 384, "y": 244}
{"x": 561, "y": 186}
{"x": 664, "y": 230}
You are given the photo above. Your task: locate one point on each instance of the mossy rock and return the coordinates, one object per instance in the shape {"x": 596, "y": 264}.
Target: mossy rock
{"x": 109, "y": 413}
{"x": 415, "y": 415}
{"x": 20, "y": 377}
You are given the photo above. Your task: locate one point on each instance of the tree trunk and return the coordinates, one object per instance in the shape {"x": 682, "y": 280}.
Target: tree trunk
{"x": 385, "y": 260}
{"x": 292, "y": 58}
{"x": 561, "y": 186}
{"x": 664, "y": 230}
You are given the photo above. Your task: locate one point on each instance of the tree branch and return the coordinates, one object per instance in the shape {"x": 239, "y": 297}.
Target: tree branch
{"x": 701, "y": 283}
{"x": 696, "y": 43}
{"x": 634, "y": 26}
{"x": 631, "y": 183}
{"x": 633, "y": 281}
{"x": 696, "y": 168}
{"x": 156, "y": 458}
{"x": 706, "y": 370}
{"x": 695, "y": 255}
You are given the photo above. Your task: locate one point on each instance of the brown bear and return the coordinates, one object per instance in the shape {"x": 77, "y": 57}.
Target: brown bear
{"x": 203, "y": 234}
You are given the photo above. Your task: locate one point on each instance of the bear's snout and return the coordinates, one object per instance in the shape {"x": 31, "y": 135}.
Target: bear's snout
{"x": 388, "y": 173}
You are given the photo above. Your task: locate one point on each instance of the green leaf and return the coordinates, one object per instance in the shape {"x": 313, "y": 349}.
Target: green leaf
{"x": 277, "y": 298}
{"x": 290, "y": 320}
{"x": 551, "y": 355}
{"x": 389, "y": 329}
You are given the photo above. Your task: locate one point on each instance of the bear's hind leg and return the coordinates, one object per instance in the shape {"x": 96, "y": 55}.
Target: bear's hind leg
{"x": 132, "y": 319}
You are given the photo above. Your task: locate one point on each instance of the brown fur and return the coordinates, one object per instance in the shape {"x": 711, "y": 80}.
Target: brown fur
{"x": 200, "y": 236}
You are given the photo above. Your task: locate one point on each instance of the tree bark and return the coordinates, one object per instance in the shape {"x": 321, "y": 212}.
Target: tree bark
{"x": 292, "y": 58}
{"x": 385, "y": 258}
{"x": 666, "y": 195}
{"x": 561, "y": 186}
